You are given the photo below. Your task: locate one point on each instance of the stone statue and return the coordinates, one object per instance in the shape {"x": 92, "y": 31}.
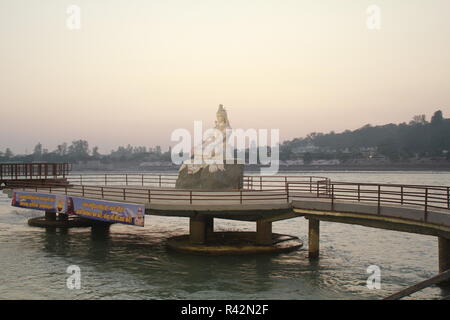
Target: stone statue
{"x": 222, "y": 122}
{"x": 212, "y": 176}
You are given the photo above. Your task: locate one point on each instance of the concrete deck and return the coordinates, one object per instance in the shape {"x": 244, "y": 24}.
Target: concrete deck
{"x": 269, "y": 206}
{"x": 404, "y": 218}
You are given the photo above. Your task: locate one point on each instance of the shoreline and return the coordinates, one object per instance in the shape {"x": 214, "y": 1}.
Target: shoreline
{"x": 251, "y": 169}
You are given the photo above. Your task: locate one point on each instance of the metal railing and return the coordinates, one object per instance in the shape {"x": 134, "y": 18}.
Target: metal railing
{"x": 424, "y": 196}
{"x": 20, "y": 171}
{"x": 151, "y": 195}
{"x": 160, "y": 187}
{"x": 249, "y": 182}
{"x": 439, "y": 278}
{"x": 152, "y": 187}
{"x": 125, "y": 179}
{"x": 281, "y": 182}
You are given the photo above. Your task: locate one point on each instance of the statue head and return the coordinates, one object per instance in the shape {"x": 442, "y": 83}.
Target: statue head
{"x": 222, "y": 118}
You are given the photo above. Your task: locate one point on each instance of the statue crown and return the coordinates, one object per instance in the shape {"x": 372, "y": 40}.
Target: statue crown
{"x": 221, "y": 110}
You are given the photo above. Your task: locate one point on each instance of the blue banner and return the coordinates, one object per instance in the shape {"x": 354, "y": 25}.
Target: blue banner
{"x": 39, "y": 201}
{"x": 118, "y": 212}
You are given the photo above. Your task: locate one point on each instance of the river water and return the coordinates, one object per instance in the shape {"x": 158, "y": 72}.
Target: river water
{"x": 133, "y": 263}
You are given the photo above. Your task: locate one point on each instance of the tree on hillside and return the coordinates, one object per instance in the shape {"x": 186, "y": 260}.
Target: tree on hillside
{"x": 95, "y": 153}
{"x": 437, "y": 118}
{"x": 61, "y": 149}
{"x": 307, "y": 158}
{"x": 37, "y": 151}
{"x": 418, "y": 119}
{"x": 79, "y": 150}
{"x": 8, "y": 154}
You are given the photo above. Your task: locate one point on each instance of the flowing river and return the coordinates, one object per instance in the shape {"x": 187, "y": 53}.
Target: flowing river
{"x": 133, "y": 263}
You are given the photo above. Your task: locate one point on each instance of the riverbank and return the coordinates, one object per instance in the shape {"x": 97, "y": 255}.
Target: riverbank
{"x": 301, "y": 168}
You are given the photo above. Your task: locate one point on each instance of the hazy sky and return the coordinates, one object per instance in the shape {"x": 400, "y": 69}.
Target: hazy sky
{"x": 138, "y": 69}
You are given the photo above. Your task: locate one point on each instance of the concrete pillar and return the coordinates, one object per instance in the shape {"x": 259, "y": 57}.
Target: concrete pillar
{"x": 263, "y": 233}
{"x": 444, "y": 254}
{"x": 100, "y": 227}
{"x": 313, "y": 238}
{"x": 100, "y": 231}
{"x": 197, "y": 230}
{"x": 50, "y": 216}
{"x": 63, "y": 217}
{"x": 209, "y": 225}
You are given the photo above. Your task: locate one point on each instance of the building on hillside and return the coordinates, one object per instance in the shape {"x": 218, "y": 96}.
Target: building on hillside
{"x": 325, "y": 162}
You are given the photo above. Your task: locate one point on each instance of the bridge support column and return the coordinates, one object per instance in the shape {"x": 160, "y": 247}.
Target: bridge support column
{"x": 444, "y": 254}
{"x": 263, "y": 232}
{"x": 209, "y": 225}
{"x": 198, "y": 227}
{"x": 313, "y": 238}
{"x": 50, "y": 216}
{"x": 100, "y": 231}
{"x": 100, "y": 228}
{"x": 63, "y": 217}
{"x": 444, "y": 259}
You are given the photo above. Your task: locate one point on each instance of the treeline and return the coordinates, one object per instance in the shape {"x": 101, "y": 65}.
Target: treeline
{"x": 79, "y": 151}
{"x": 418, "y": 138}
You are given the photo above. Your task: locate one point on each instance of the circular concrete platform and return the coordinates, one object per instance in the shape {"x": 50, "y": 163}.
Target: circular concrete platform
{"x": 234, "y": 243}
{"x": 73, "y": 222}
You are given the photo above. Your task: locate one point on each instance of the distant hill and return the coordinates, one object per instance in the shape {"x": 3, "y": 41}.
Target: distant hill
{"x": 418, "y": 138}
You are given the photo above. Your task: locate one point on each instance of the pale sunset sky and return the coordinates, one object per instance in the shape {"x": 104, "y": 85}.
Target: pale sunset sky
{"x": 139, "y": 69}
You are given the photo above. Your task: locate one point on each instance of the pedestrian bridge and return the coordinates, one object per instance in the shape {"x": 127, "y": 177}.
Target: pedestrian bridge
{"x": 422, "y": 209}
{"x": 36, "y": 173}
{"x": 419, "y": 208}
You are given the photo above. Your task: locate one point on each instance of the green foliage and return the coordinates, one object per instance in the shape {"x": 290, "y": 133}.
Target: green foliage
{"x": 395, "y": 141}
{"x": 437, "y": 118}
{"x": 79, "y": 151}
{"x": 8, "y": 154}
{"x": 307, "y": 158}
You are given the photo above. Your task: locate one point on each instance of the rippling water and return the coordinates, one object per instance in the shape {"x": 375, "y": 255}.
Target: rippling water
{"x": 133, "y": 263}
